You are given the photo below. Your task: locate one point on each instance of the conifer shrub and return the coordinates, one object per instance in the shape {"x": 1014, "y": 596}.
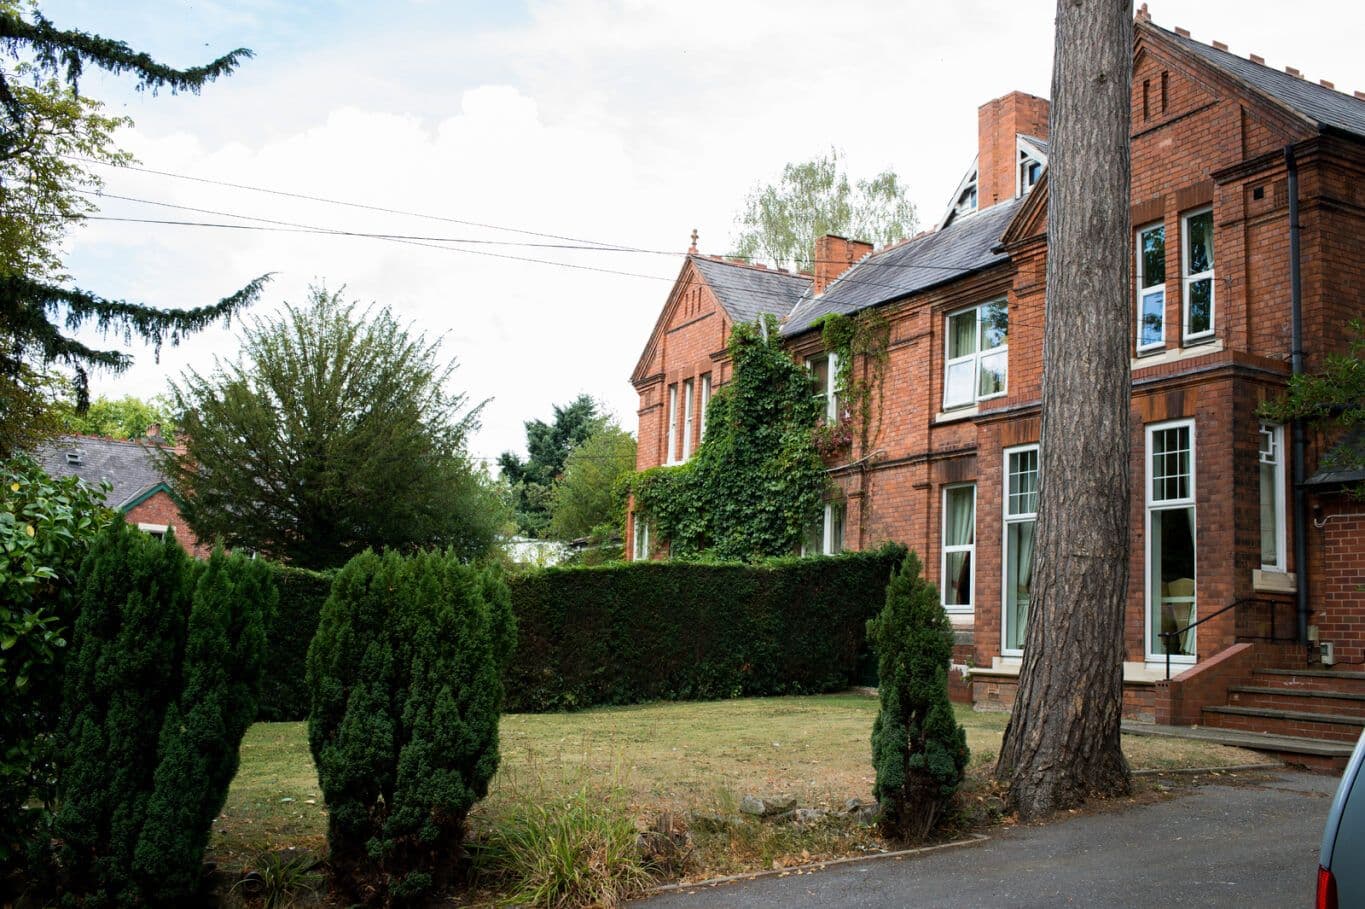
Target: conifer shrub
{"x": 160, "y": 686}
{"x": 290, "y": 629}
{"x": 405, "y": 675}
{"x": 918, "y": 748}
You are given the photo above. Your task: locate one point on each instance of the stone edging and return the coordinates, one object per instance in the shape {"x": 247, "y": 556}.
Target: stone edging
{"x": 1236, "y": 768}
{"x": 971, "y": 840}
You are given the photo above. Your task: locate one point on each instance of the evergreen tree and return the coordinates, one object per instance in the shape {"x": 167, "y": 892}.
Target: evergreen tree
{"x": 332, "y": 432}
{"x": 918, "y": 748}
{"x": 43, "y": 124}
{"x": 405, "y": 675}
{"x": 161, "y": 685}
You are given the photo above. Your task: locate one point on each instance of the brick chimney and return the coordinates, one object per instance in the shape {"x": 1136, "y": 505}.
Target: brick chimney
{"x": 998, "y": 123}
{"x": 834, "y": 255}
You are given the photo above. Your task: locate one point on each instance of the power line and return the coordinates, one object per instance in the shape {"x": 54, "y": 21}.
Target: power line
{"x": 587, "y": 244}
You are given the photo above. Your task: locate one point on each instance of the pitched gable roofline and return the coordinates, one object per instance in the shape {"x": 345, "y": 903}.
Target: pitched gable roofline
{"x": 742, "y": 290}
{"x": 1315, "y": 105}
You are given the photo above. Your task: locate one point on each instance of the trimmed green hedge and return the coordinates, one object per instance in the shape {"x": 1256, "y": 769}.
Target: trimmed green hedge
{"x": 289, "y": 631}
{"x": 647, "y": 631}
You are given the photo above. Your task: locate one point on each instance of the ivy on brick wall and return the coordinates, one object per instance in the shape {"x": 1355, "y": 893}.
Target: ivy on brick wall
{"x": 858, "y": 339}
{"x": 757, "y": 480}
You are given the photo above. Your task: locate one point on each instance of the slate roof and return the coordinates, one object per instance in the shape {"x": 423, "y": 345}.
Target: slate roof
{"x": 129, "y": 466}
{"x": 1325, "y": 106}
{"x": 1350, "y": 449}
{"x": 747, "y": 292}
{"x": 964, "y": 246}
{"x": 1040, "y": 144}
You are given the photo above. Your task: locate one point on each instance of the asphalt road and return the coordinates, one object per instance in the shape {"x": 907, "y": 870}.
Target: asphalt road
{"x": 1216, "y": 845}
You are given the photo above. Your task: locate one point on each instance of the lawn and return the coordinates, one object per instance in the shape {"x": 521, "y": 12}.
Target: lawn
{"x": 657, "y": 757}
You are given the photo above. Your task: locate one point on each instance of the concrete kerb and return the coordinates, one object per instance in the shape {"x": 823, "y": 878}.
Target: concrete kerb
{"x": 971, "y": 840}
{"x": 1197, "y": 771}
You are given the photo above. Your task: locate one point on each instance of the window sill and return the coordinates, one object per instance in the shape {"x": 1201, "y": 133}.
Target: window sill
{"x": 1263, "y": 581}
{"x": 1175, "y": 355}
{"x": 956, "y": 414}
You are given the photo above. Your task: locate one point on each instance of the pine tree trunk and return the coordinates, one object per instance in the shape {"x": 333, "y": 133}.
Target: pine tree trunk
{"x": 1062, "y": 741}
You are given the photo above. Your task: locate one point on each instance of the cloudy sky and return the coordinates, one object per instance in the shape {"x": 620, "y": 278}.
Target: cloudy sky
{"x": 625, "y": 122}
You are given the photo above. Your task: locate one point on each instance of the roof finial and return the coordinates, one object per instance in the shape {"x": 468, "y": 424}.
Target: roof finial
{"x": 692, "y": 250}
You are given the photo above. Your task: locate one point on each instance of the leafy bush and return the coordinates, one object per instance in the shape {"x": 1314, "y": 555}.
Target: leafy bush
{"x": 46, "y": 526}
{"x": 644, "y": 631}
{"x": 161, "y": 685}
{"x": 290, "y": 629}
{"x": 918, "y": 748}
{"x": 405, "y": 678}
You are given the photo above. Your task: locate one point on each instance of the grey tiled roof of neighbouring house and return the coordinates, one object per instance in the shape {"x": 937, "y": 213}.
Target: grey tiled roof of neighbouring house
{"x": 1325, "y": 106}
{"x": 1040, "y": 144}
{"x": 130, "y": 467}
{"x": 1349, "y": 451}
{"x": 747, "y": 292}
{"x": 964, "y": 246}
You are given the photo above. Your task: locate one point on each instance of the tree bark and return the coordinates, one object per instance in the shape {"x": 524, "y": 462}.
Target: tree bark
{"x": 1062, "y": 741}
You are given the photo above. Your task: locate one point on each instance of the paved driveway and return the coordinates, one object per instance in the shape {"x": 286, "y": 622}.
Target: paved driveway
{"x": 1218, "y": 845}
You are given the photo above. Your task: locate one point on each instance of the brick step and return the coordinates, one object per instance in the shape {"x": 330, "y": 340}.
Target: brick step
{"x": 1302, "y": 723}
{"x": 1348, "y": 703}
{"x": 1311, "y": 679}
{"x": 1317, "y": 754}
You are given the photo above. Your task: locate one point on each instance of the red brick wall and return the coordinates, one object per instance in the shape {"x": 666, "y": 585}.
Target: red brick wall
{"x": 159, "y": 508}
{"x": 998, "y": 124}
{"x": 1338, "y": 587}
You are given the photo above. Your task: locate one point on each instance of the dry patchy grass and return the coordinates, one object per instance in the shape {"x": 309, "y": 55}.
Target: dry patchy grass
{"x": 659, "y": 757}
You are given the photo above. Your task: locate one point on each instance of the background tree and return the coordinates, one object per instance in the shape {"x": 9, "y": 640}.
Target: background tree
{"x": 1062, "y": 741}
{"x": 333, "y": 431}
{"x": 531, "y": 481}
{"x": 127, "y": 417}
{"x": 781, "y": 221}
{"x": 1333, "y": 400}
{"x": 589, "y": 499}
{"x": 44, "y": 124}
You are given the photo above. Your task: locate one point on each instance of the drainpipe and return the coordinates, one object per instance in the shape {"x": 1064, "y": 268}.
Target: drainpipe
{"x": 1296, "y": 427}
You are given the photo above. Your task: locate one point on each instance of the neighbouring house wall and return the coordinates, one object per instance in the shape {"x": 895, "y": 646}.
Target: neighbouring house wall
{"x": 160, "y": 509}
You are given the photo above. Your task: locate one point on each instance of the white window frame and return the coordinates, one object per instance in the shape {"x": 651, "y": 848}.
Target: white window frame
{"x": 1153, "y": 653}
{"x": 945, "y": 550}
{"x": 1143, "y": 289}
{"x": 705, "y": 400}
{"x": 827, "y": 531}
{"x": 831, "y": 392}
{"x": 156, "y": 530}
{"x": 1006, "y": 520}
{"x": 640, "y": 537}
{"x": 1026, "y": 154}
{"x": 671, "y": 456}
{"x": 687, "y": 389}
{"x": 1276, "y": 432}
{"x": 1187, "y": 279}
{"x": 976, "y": 356}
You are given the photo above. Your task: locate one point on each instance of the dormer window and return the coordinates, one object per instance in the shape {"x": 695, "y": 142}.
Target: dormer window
{"x": 966, "y": 199}
{"x": 1029, "y": 161}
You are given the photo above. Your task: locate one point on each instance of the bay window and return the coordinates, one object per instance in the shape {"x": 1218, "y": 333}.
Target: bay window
{"x": 1271, "y": 468}
{"x": 1021, "y": 515}
{"x": 976, "y": 354}
{"x": 1196, "y": 239}
{"x": 1151, "y": 284}
{"x": 959, "y": 547}
{"x": 1171, "y": 560}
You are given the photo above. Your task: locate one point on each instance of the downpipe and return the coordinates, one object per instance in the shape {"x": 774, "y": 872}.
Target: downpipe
{"x": 1297, "y": 430}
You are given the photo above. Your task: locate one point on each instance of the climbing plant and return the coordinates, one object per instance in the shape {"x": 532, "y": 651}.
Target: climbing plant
{"x": 757, "y": 480}
{"x": 865, "y": 338}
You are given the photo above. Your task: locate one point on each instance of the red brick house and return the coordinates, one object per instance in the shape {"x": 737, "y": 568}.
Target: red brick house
{"x": 1222, "y": 149}
{"x": 138, "y": 489}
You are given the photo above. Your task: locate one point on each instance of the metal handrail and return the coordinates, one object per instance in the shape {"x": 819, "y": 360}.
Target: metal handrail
{"x": 1167, "y": 635}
